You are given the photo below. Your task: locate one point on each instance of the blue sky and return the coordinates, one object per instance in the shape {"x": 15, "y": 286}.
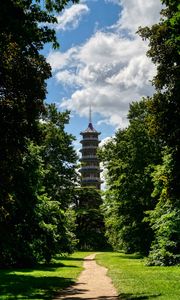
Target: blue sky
{"x": 101, "y": 62}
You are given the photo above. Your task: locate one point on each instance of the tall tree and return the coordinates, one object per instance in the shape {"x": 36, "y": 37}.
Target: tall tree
{"x": 58, "y": 155}
{"x": 40, "y": 222}
{"x": 89, "y": 219}
{"x": 165, "y": 217}
{"x": 164, "y": 109}
{"x": 127, "y": 158}
{"x": 23, "y": 75}
{"x": 164, "y": 51}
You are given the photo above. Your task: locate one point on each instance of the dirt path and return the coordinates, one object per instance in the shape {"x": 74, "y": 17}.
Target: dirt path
{"x": 92, "y": 284}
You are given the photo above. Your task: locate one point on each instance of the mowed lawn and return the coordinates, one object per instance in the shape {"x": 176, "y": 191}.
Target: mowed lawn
{"x": 43, "y": 281}
{"x": 133, "y": 280}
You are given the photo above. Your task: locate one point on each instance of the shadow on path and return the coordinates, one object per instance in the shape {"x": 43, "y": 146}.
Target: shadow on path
{"x": 71, "y": 292}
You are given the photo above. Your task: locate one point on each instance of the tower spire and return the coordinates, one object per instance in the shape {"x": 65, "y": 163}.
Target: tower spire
{"x": 90, "y": 116}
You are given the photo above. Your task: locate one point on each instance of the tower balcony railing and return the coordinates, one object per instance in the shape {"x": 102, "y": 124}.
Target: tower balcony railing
{"x": 85, "y": 179}
{"x": 89, "y": 139}
{"x": 89, "y": 157}
{"x": 86, "y": 168}
{"x": 88, "y": 148}
{"x": 90, "y": 168}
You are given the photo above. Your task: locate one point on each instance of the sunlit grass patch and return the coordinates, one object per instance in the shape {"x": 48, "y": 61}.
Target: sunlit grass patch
{"x": 134, "y": 280}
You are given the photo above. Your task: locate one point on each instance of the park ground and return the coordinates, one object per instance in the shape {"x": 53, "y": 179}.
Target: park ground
{"x": 131, "y": 277}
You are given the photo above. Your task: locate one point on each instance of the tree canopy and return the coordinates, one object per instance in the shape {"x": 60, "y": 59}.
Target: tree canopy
{"x": 127, "y": 158}
{"x": 90, "y": 227}
{"x": 33, "y": 222}
{"x": 142, "y": 202}
{"x": 164, "y": 115}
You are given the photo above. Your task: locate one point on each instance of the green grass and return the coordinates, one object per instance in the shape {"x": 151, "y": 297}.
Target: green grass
{"x": 43, "y": 281}
{"x": 134, "y": 280}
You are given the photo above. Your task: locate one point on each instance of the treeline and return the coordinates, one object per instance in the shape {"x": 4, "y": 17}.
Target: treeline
{"x": 142, "y": 201}
{"x": 42, "y": 212}
{"x": 34, "y": 188}
{"x": 38, "y": 196}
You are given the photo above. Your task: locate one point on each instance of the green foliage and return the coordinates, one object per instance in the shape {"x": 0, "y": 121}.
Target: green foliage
{"x": 165, "y": 218}
{"x": 56, "y": 5}
{"x": 37, "y": 225}
{"x": 128, "y": 158}
{"x": 164, "y": 110}
{"x": 59, "y": 156}
{"x": 33, "y": 220}
{"x": 163, "y": 119}
{"x": 89, "y": 219}
{"x": 142, "y": 160}
{"x": 20, "y": 234}
{"x": 57, "y": 231}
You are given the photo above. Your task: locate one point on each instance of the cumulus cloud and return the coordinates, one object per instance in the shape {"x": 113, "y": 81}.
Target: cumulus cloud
{"x": 59, "y": 60}
{"x": 67, "y": 77}
{"x": 110, "y": 70}
{"x": 137, "y": 13}
{"x": 71, "y": 17}
{"x": 105, "y": 141}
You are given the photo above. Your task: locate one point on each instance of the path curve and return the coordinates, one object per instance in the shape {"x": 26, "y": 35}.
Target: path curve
{"x": 92, "y": 284}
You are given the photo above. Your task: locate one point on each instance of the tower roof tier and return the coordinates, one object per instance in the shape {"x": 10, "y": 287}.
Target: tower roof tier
{"x": 90, "y": 129}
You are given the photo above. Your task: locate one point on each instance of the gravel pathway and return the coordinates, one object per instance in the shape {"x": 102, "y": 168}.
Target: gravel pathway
{"x": 93, "y": 284}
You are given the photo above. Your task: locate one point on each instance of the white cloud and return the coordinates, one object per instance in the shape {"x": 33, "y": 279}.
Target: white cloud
{"x": 105, "y": 141}
{"x": 136, "y": 73}
{"x": 110, "y": 73}
{"x": 71, "y": 17}
{"x": 109, "y": 70}
{"x": 137, "y": 13}
{"x": 68, "y": 78}
{"x": 59, "y": 60}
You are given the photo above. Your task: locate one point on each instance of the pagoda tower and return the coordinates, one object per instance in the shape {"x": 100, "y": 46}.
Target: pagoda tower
{"x": 90, "y": 169}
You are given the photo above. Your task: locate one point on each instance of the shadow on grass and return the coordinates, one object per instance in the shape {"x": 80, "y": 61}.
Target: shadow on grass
{"x": 138, "y": 296}
{"x": 130, "y": 256}
{"x": 16, "y": 286}
{"x": 26, "y": 286}
{"x": 68, "y": 258}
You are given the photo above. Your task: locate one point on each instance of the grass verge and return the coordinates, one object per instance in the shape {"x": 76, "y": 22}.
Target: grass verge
{"x": 43, "y": 281}
{"x": 133, "y": 280}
